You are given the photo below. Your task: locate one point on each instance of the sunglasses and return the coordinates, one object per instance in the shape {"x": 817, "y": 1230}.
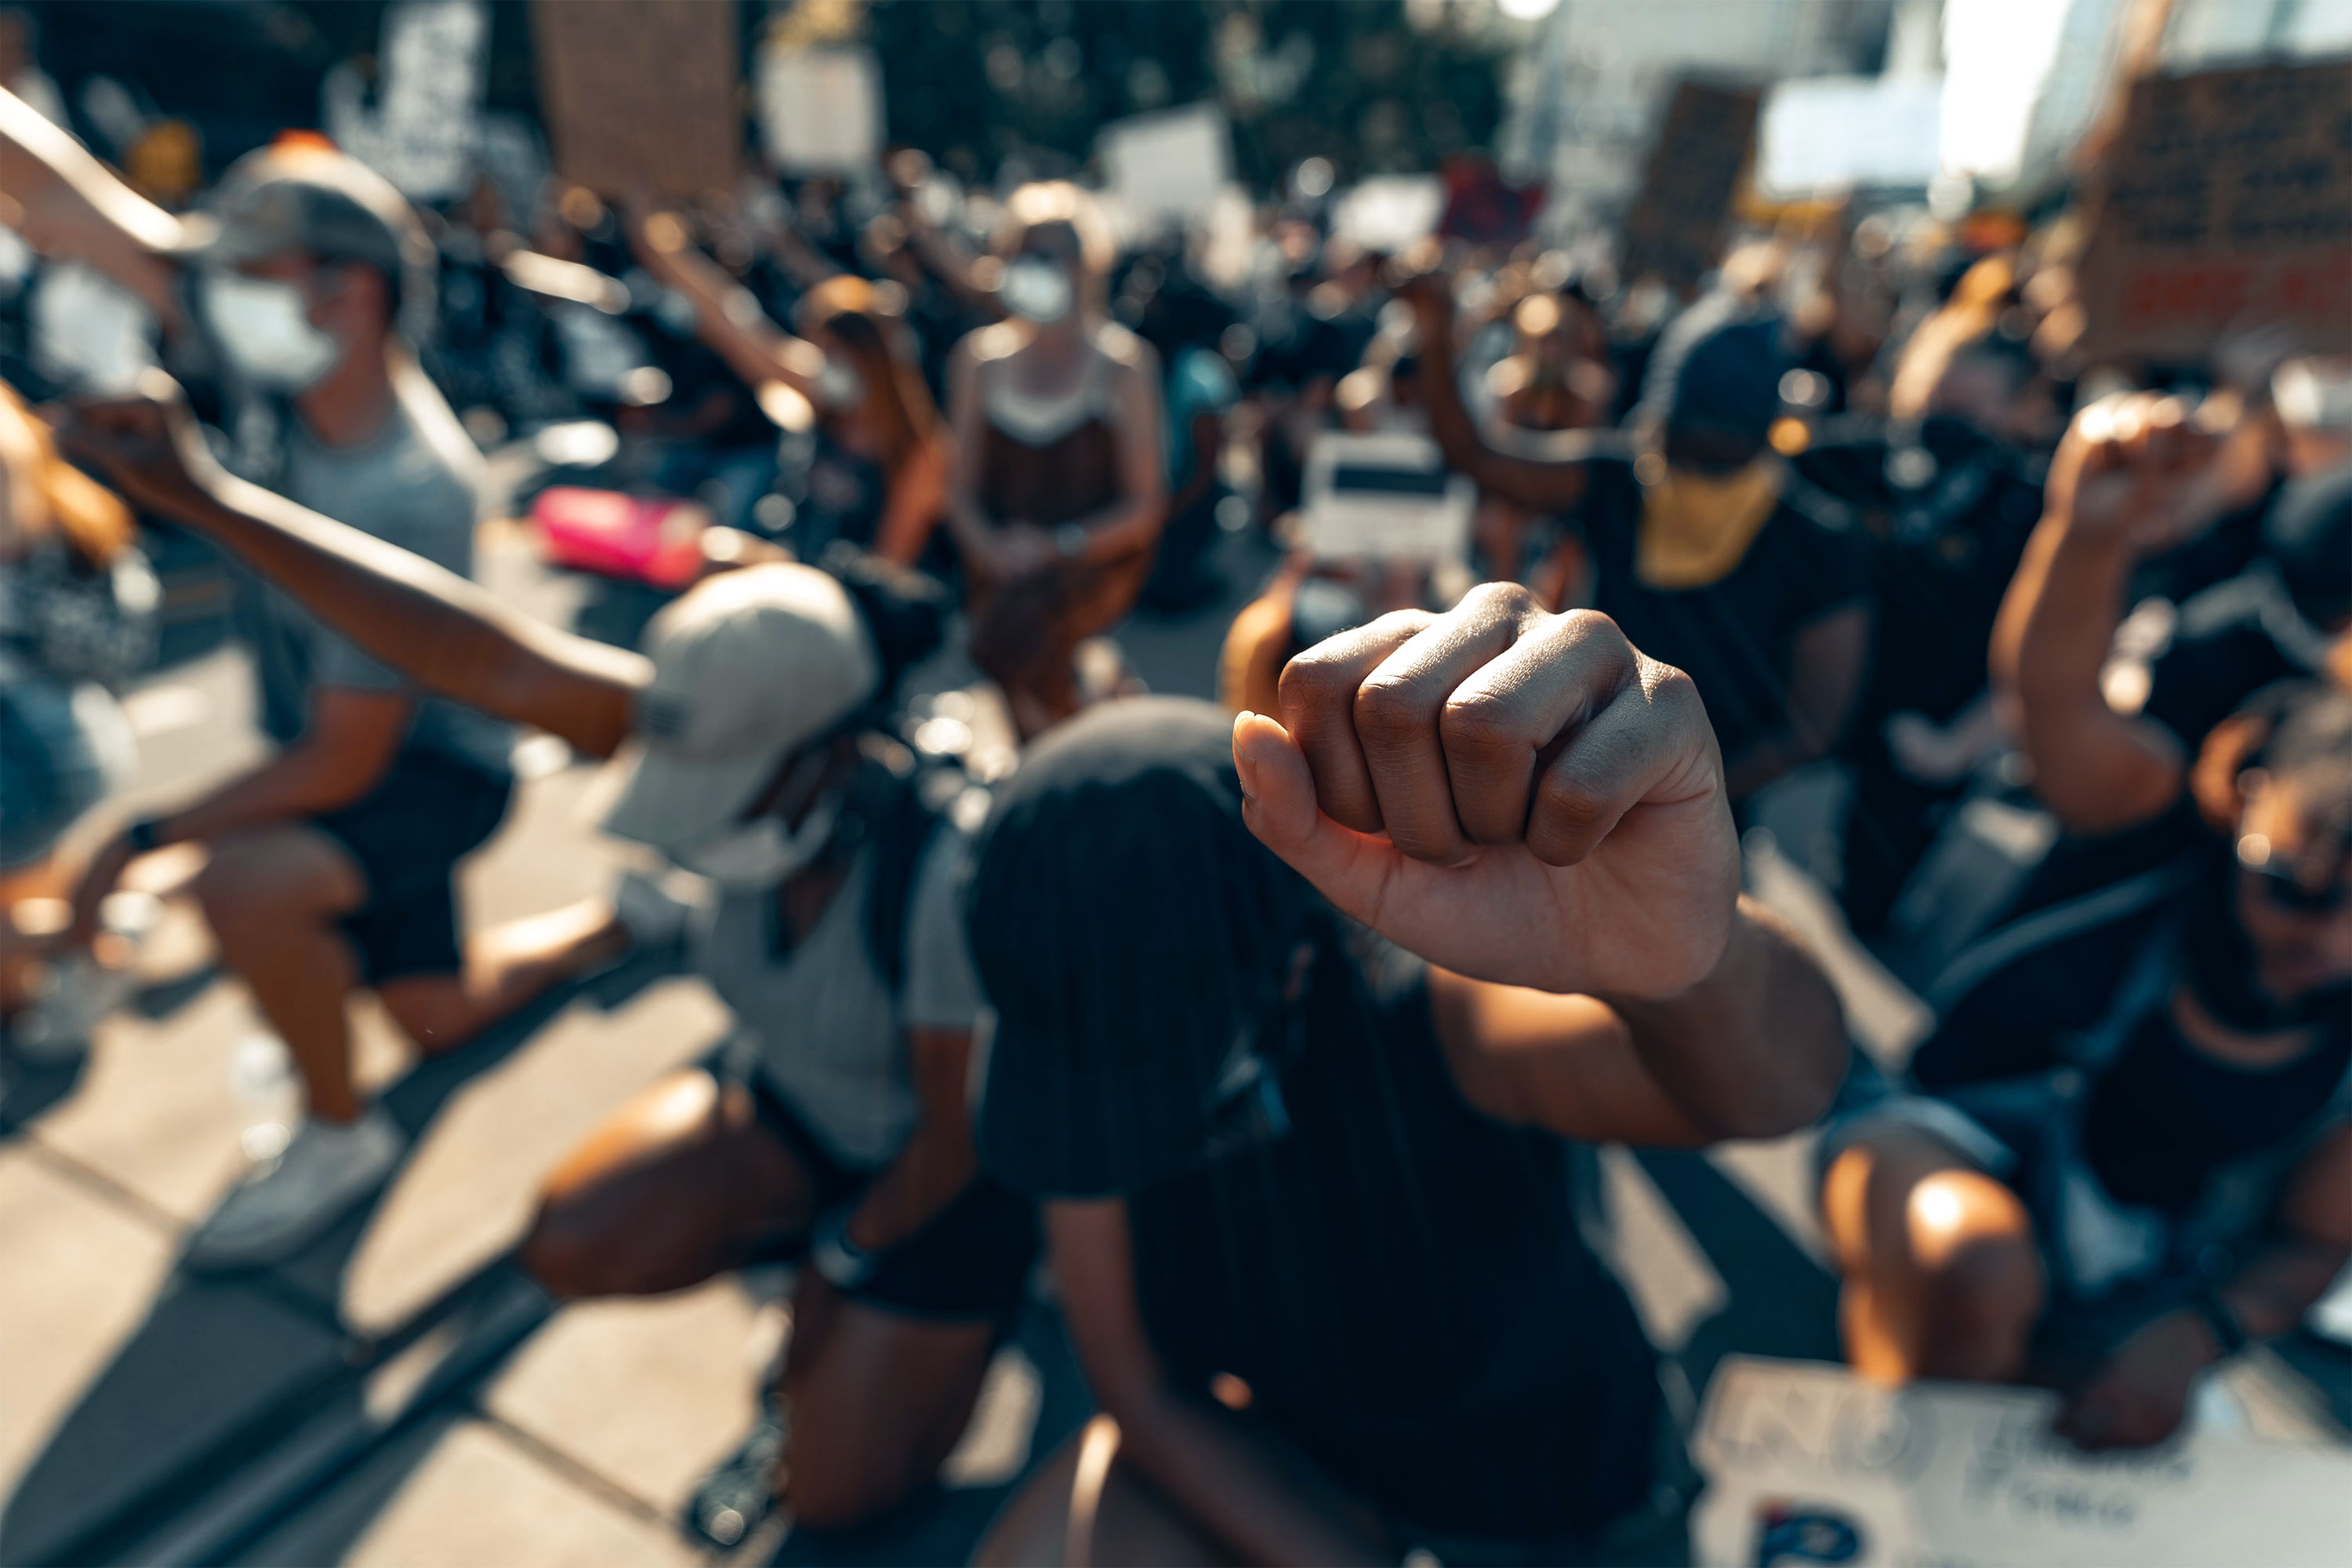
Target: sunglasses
{"x": 2283, "y": 888}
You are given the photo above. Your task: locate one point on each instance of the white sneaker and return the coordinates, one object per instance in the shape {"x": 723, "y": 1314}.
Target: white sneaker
{"x": 285, "y": 1204}
{"x": 55, "y": 1029}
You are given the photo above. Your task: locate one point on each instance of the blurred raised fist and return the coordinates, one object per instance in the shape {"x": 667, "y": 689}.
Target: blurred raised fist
{"x": 148, "y": 446}
{"x": 2138, "y": 468}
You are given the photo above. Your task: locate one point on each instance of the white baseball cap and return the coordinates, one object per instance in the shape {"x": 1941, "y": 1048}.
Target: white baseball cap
{"x": 749, "y": 666}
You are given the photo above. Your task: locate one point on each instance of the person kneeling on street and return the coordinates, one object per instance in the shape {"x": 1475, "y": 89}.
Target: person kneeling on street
{"x": 1299, "y": 1130}
{"x": 2126, "y": 1151}
{"x": 835, "y": 1126}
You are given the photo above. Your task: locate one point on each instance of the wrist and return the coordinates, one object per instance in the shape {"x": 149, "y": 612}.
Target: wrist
{"x": 835, "y": 1255}
{"x": 1070, "y": 541}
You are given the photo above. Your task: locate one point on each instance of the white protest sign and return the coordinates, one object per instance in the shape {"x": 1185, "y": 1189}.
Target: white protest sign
{"x": 1808, "y": 1463}
{"x": 1384, "y": 497}
{"x": 821, "y": 110}
{"x": 422, "y": 132}
{"x": 1389, "y": 212}
{"x": 1173, "y": 165}
{"x": 1825, "y": 134}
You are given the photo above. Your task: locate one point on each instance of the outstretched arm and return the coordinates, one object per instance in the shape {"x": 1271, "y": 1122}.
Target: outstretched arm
{"x": 1527, "y": 801}
{"x": 440, "y": 630}
{"x": 70, "y": 204}
{"x": 1543, "y": 471}
{"x": 2114, "y": 490}
{"x": 726, "y": 316}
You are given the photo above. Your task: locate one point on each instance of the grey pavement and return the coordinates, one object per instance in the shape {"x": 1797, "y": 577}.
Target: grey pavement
{"x": 400, "y": 1394}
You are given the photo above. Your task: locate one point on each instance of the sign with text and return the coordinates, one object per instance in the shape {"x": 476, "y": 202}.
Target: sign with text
{"x": 1383, "y": 498}
{"x": 2225, "y": 202}
{"x": 641, "y": 94}
{"x": 1808, "y": 1463}
{"x": 425, "y": 132}
{"x": 821, "y": 110}
{"x": 1676, "y": 228}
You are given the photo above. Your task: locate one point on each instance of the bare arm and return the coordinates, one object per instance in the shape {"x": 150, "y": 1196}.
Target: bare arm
{"x": 1754, "y": 1051}
{"x": 1205, "y": 1462}
{"x": 916, "y": 499}
{"x": 1826, "y": 661}
{"x": 70, "y": 204}
{"x": 1543, "y": 472}
{"x": 2099, "y": 771}
{"x": 937, "y": 1161}
{"x": 346, "y": 747}
{"x": 1134, "y": 520}
{"x": 726, "y": 316}
{"x": 443, "y": 632}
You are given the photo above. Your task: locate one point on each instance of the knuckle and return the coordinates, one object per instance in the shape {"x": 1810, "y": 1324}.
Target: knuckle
{"x": 1389, "y": 710}
{"x": 1507, "y": 600}
{"x": 1479, "y": 726}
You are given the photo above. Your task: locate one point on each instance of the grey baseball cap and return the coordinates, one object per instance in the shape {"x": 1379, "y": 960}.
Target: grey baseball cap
{"x": 325, "y": 204}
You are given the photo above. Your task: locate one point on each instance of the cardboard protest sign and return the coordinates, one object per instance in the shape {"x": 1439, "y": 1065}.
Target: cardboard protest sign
{"x": 1172, "y": 164}
{"x": 2225, "y": 201}
{"x": 641, "y": 93}
{"x": 1384, "y": 498}
{"x": 1678, "y": 223}
{"x": 1808, "y": 1463}
{"x": 821, "y": 110}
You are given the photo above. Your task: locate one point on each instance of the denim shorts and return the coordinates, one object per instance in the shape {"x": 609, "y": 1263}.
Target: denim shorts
{"x": 62, "y": 749}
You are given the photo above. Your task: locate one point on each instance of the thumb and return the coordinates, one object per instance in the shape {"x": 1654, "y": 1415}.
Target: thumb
{"x": 1350, "y": 869}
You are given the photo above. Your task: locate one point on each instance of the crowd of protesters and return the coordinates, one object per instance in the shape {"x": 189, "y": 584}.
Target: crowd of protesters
{"x": 1267, "y": 1029}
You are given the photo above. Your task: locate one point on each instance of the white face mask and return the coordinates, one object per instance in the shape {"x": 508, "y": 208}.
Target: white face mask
{"x": 838, "y": 385}
{"x": 1038, "y": 290}
{"x": 265, "y": 327}
{"x": 751, "y": 856}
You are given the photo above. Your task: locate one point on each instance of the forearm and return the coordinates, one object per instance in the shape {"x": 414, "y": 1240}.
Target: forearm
{"x": 729, "y": 320}
{"x": 2283, "y": 1281}
{"x": 1124, "y": 527}
{"x": 1218, "y": 1477}
{"x": 442, "y": 631}
{"x": 936, "y": 1164}
{"x": 70, "y": 204}
{"x": 2096, "y": 769}
{"x": 1758, "y": 1047}
{"x": 296, "y": 783}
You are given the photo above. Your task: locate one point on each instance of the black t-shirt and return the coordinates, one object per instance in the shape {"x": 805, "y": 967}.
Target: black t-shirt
{"x": 1733, "y": 636}
{"x": 1398, "y": 1278}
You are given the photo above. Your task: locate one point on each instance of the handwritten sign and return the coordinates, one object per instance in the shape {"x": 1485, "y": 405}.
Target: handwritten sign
{"x": 424, "y": 132}
{"x": 1383, "y": 498}
{"x": 641, "y": 93}
{"x": 1808, "y": 1463}
{"x": 1678, "y": 223}
{"x": 2226, "y": 201}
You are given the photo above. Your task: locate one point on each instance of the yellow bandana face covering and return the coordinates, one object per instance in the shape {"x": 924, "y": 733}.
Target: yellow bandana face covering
{"x": 1696, "y": 527}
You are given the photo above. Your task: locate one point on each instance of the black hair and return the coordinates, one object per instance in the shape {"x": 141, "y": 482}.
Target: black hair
{"x": 2309, "y": 744}
{"x": 905, "y": 612}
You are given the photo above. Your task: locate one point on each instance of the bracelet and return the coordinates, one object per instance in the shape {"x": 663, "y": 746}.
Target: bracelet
{"x": 144, "y": 836}
{"x": 2218, "y": 1316}
{"x": 1070, "y": 539}
{"x": 844, "y": 1264}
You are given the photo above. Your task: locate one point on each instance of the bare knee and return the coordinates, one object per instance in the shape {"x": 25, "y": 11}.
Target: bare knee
{"x": 575, "y": 1258}
{"x": 252, "y": 885}
{"x": 1980, "y": 1274}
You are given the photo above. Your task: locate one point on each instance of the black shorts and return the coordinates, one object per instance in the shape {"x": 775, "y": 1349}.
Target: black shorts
{"x": 430, "y": 811}
{"x": 971, "y": 1260}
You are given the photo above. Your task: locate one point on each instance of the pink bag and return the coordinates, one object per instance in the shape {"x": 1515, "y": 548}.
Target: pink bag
{"x": 639, "y": 537}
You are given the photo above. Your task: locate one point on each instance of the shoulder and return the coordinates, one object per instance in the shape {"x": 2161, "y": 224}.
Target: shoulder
{"x": 1130, "y": 354}
{"x": 993, "y": 343}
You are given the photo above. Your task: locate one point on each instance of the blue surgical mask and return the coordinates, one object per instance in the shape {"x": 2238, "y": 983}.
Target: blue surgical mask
{"x": 264, "y": 326}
